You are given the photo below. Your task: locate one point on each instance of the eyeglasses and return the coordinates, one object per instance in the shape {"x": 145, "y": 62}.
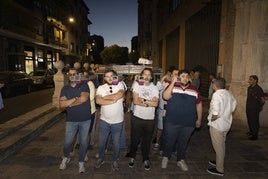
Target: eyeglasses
{"x": 111, "y": 89}
{"x": 71, "y": 74}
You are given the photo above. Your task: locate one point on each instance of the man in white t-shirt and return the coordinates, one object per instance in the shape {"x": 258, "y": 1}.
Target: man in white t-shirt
{"x": 110, "y": 96}
{"x": 145, "y": 99}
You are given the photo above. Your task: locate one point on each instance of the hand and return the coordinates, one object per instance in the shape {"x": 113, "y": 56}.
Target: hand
{"x": 198, "y": 124}
{"x": 214, "y": 117}
{"x": 174, "y": 79}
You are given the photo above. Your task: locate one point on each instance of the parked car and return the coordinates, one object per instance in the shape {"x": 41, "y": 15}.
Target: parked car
{"x": 42, "y": 78}
{"x": 15, "y": 81}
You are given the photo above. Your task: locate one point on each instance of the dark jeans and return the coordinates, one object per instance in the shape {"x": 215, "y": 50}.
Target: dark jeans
{"x": 142, "y": 131}
{"x": 176, "y": 134}
{"x": 253, "y": 121}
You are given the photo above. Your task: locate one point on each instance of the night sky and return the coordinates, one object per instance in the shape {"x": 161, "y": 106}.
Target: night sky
{"x": 115, "y": 20}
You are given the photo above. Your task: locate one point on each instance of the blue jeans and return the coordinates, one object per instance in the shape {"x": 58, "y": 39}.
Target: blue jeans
{"x": 70, "y": 132}
{"x": 104, "y": 130}
{"x": 179, "y": 136}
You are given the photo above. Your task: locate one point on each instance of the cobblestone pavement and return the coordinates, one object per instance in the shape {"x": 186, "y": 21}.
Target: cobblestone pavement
{"x": 41, "y": 158}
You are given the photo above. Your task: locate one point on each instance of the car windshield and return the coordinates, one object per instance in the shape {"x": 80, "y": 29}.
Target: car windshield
{"x": 38, "y": 73}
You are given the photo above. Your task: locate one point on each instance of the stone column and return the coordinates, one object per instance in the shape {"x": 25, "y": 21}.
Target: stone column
{"x": 60, "y": 80}
{"x": 249, "y": 54}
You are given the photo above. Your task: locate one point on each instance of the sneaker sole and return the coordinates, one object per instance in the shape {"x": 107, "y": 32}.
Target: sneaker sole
{"x": 218, "y": 174}
{"x": 212, "y": 164}
{"x": 131, "y": 166}
{"x": 147, "y": 169}
{"x": 100, "y": 164}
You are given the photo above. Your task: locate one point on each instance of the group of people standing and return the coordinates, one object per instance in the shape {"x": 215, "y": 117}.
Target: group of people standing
{"x": 170, "y": 110}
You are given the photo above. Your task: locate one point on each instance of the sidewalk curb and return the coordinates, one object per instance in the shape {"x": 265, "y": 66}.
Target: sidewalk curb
{"x": 18, "y": 145}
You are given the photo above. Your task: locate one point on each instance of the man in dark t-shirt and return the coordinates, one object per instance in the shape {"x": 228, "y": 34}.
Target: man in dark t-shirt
{"x": 75, "y": 99}
{"x": 183, "y": 114}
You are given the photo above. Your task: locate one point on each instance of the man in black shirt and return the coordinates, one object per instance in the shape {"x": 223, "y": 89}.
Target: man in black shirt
{"x": 255, "y": 101}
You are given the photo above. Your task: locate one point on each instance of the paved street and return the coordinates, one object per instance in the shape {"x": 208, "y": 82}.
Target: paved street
{"x": 41, "y": 158}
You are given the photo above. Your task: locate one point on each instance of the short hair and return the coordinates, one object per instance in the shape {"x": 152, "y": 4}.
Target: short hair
{"x": 255, "y": 77}
{"x": 184, "y": 71}
{"x": 171, "y": 69}
{"x": 73, "y": 69}
{"x": 110, "y": 71}
{"x": 212, "y": 74}
{"x": 220, "y": 82}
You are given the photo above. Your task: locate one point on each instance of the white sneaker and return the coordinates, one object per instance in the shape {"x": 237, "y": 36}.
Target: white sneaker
{"x": 64, "y": 162}
{"x": 164, "y": 162}
{"x": 115, "y": 166}
{"x": 182, "y": 164}
{"x": 81, "y": 167}
{"x": 86, "y": 158}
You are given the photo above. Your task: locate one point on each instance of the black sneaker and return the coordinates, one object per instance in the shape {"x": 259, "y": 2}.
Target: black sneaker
{"x": 131, "y": 162}
{"x": 146, "y": 165}
{"x": 214, "y": 171}
{"x": 212, "y": 162}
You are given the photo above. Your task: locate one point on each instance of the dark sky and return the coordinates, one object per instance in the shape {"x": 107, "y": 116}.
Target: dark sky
{"x": 115, "y": 20}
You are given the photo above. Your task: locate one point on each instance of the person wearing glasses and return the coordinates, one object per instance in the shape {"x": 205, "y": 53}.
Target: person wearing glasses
{"x": 110, "y": 97}
{"x": 75, "y": 99}
{"x": 145, "y": 99}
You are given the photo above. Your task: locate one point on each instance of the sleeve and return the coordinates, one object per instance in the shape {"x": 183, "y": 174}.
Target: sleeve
{"x": 85, "y": 88}
{"x": 99, "y": 91}
{"x": 215, "y": 105}
{"x": 160, "y": 86}
{"x": 92, "y": 90}
{"x": 234, "y": 103}
{"x": 156, "y": 92}
{"x": 63, "y": 92}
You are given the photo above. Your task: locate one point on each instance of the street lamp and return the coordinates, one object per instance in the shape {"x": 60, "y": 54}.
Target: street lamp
{"x": 71, "y": 19}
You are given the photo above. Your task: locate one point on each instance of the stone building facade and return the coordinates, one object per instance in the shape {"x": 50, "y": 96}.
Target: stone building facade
{"x": 227, "y": 37}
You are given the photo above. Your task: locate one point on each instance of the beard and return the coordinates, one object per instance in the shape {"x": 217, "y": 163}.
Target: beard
{"x": 184, "y": 84}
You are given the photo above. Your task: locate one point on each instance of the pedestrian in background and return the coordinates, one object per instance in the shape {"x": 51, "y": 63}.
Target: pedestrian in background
{"x": 75, "y": 99}
{"x": 145, "y": 99}
{"x": 110, "y": 96}
{"x": 212, "y": 77}
{"x": 160, "y": 112}
{"x": 196, "y": 79}
{"x": 220, "y": 118}
{"x": 255, "y": 101}
{"x": 183, "y": 115}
